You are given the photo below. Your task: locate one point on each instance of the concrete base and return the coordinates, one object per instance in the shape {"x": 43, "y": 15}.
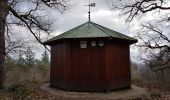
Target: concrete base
{"x": 134, "y": 92}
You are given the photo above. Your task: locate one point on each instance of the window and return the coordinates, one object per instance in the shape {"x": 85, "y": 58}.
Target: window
{"x": 83, "y": 44}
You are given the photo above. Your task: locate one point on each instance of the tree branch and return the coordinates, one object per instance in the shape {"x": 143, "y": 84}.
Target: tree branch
{"x": 20, "y": 17}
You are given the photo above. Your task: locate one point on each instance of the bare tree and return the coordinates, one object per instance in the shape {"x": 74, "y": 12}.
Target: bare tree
{"x": 153, "y": 35}
{"x": 13, "y": 46}
{"x": 3, "y": 15}
{"x": 25, "y": 13}
{"x": 154, "y": 38}
{"x": 134, "y": 8}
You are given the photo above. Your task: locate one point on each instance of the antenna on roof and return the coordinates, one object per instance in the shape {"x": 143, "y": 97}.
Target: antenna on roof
{"x": 90, "y": 5}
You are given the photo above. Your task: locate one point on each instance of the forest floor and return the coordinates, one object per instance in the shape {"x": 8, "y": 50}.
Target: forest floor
{"x": 32, "y": 91}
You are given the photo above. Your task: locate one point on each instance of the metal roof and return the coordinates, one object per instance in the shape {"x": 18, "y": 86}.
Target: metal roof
{"x": 90, "y": 30}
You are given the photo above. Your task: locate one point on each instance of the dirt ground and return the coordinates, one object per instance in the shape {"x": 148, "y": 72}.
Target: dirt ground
{"x": 34, "y": 91}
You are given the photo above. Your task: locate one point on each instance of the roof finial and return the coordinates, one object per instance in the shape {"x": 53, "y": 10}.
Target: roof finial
{"x": 90, "y": 5}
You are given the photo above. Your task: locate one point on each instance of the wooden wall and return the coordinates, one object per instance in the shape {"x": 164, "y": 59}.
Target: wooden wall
{"x": 92, "y": 68}
{"x": 118, "y": 71}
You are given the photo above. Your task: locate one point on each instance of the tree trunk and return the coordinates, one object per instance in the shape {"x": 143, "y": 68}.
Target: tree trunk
{"x": 3, "y": 15}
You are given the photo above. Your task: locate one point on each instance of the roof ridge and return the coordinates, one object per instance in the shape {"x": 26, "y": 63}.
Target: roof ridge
{"x": 118, "y": 33}
{"x": 88, "y": 28}
{"x": 65, "y": 33}
{"x": 72, "y": 30}
{"x": 110, "y": 31}
{"x": 101, "y": 29}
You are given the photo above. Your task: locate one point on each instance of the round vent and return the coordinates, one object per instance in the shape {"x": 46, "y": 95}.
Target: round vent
{"x": 101, "y": 43}
{"x": 93, "y": 43}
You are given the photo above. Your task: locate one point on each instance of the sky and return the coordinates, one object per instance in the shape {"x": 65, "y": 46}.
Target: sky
{"x": 77, "y": 14}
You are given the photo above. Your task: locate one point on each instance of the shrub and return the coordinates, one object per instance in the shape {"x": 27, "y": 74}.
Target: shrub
{"x": 155, "y": 93}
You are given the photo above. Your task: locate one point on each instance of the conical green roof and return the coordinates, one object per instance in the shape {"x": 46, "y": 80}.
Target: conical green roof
{"x": 91, "y": 30}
